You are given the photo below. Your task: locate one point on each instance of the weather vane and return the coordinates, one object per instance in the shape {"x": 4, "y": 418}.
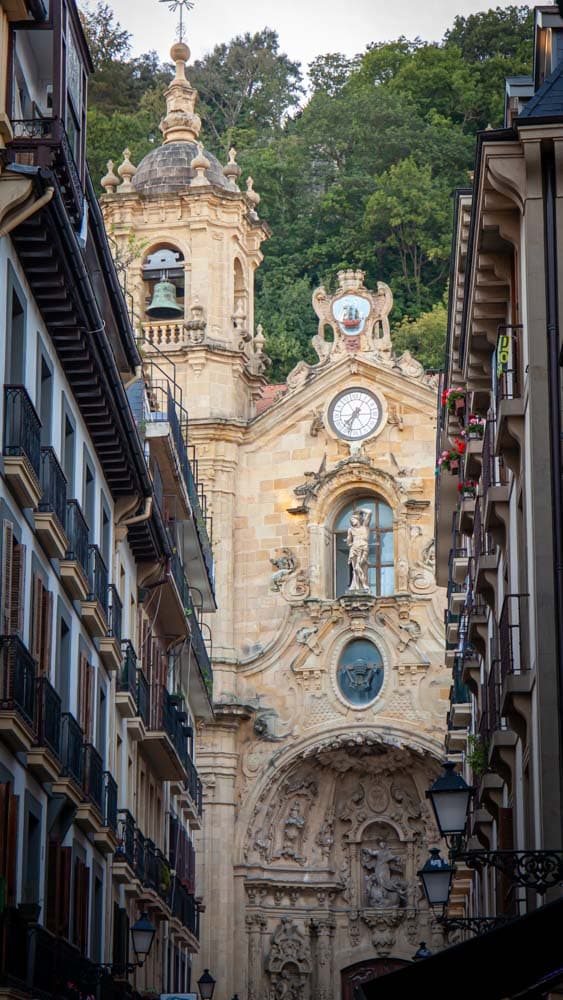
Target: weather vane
{"x": 181, "y": 5}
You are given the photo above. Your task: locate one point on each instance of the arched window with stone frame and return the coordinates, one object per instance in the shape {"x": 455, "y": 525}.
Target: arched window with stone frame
{"x": 380, "y": 572}
{"x": 164, "y": 263}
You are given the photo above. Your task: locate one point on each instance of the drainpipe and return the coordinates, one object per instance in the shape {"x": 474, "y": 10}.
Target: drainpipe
{"x": 554, "y": 390}
{"x": 27, "y": 212}
{"x": 138, "y": 518}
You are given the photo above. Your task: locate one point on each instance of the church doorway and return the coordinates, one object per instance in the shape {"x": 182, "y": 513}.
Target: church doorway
{"x": 362, "y": 972}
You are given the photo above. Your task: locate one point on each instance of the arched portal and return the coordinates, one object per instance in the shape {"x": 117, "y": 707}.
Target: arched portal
{"x": 363, "y": 972}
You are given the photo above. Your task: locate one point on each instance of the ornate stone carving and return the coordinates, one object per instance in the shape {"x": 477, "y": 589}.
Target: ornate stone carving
{"x": 307, "y": 637}
{"x": 289, "y": 962}
{"x": 293, "y": 833}
{"x": 285, "y": 564}
{"x": 354, "y": 928}
{"x": 325, "y": 836}
{"x": 292, "y": 582}
{"x": 383, "y": 928}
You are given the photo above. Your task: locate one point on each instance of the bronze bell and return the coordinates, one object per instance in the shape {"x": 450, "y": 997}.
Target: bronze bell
{"x": 164, "y": 305}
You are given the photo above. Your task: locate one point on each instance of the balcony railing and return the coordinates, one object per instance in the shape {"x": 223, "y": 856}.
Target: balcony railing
{"x": 140, "y": 855}
{"x": 164, "y": 716}
{"x": 77, "y": 534}
{"x": 194, "y": 785}
{"x": 513, "y": 647}
{"x": 115, "y": 612}
{"x": 459, "y": 694}
{"x": 127, "y": 836}
{"x": 197, "y": 641}
{"x": 17, "y": 678}
{"x": 53, "y": 486}
{"x": 493, "y": 698}
{"x": 127, "y": 677}
{"x": 483, "y": 544}
{"x": 143, "y": 700}
{"x": 98, "y": 578}
{"x": 185, "y": 908}
{"x": 22, "y": 427}
{"x": 508, "y": 363}
{"x": 43, "y": 137}
{"x": 72, "y": 748}
{"x": 494, "y": 471}
{"x": 48, "y": 716}
{"x": 109, "y": 809}
{"x": 93, "y": 776}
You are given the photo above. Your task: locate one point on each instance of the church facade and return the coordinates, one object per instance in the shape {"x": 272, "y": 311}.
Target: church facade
{"x": 330, "y": 690}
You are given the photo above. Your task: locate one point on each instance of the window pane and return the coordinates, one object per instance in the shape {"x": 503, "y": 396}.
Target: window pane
{"x": 385, "y": 516}
{"x": 387, "y": 547}
{"x": 387, "y": 580}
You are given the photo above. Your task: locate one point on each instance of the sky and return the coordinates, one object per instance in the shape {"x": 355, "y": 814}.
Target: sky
{"x": 306, "y": 28}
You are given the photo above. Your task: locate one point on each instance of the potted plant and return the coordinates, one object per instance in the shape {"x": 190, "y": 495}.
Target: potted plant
{"x": 454, "y": 400}
{"x": 475, "y": 427}
{"x": 477, "y": 754}
{"x": 450, "y": 457}
{"x": 467, "y": 489}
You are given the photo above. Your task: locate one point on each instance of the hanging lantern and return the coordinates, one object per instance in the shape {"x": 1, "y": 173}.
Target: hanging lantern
{"x": 164, "y": 304}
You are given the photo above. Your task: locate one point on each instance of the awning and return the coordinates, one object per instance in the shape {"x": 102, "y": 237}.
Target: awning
{"x": 521, "y": 959}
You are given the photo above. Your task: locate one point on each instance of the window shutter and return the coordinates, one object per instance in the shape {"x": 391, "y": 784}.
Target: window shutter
{"x": 59, "y": 869}
{"x": 47, "y": 633}
{"x": 52, "y": 886}
{"x": 80, "y": 923}
{"x": 8, "y": 843}
{"x": 7, "y": 551}
{"x": 86, "y": 697}
{"x": 17, "y": 589}
{"x": 36, "y": 617}
{"x": 65, "y": 872}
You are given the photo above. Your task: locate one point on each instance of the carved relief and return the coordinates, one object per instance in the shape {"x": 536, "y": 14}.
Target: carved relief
{"x": 293, "y": 583}
{"x": 384, "y": 889}
{"x": 289, "y": 962}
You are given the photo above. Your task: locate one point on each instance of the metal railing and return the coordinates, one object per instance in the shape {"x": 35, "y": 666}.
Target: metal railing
{"x": 459, "y": 692}
{"x": 109, "y": 804}
{"x": 22, "y": 427}
{"x": 17, "y": 678}
{"x": 508, "y": 383}
{"x": 30, "y": 135}
{"x": 77, "y": 534}
{"x": 93, "y": 776}
{"x": 513, "y": 646}
{"x": 493, "y": 698}
{"x": 143, "y": 700}
{"x": 127, "y": 836}
{"x": 72, "y": 748}
{"x": 48, "y": 716}
{"x": 53, "y": 486}
{"x": 194, "y": 785}
{"x": 493, "y": 472}
{"x": 115, "y": 613}
{"x": 185, "y": 908}
{"x": 98, "y": 578}
{"x": 127, "y": 676}
{"x": 140, "y": 856}
{"x": 197, "y": 642}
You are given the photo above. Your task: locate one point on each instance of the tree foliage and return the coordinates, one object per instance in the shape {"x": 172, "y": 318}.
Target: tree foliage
{"x": 359, "y": 175}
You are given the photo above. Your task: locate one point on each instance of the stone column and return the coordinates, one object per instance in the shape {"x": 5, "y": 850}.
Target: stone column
{"x": 323, "y": 931}
{"x": 255, "y": 927}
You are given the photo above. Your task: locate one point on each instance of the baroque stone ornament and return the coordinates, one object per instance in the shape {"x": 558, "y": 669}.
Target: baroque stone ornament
{"x": 384, "y": 890}
{"x": 357, "y": 540}
{"x": 357, "y": 316}
{"x": 289, "y": 962}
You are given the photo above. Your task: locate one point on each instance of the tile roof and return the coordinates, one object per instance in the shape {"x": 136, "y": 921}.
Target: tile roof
{"x": 547, "y": 102}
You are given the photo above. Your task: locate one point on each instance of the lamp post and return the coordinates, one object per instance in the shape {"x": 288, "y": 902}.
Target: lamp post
{"x": 436, "y": 876}
{"x": 142, "y": 936}
{"x": 450, "y": 796}
{"x": 206, "y": 985}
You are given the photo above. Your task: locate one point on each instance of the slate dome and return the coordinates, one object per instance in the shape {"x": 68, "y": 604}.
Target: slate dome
{"x": 168, "y": 169}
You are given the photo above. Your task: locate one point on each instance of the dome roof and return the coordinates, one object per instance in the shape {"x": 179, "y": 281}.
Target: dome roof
{"x": 168, "y": 169}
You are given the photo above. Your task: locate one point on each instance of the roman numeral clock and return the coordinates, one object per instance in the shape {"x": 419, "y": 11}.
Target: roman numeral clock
{"x": 355, "y": 414}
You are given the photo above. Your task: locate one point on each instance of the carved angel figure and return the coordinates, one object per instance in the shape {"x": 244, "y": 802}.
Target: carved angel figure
{"x": 384, "y": 889}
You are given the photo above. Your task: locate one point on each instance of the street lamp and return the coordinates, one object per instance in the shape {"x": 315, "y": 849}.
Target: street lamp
{"x": 206, "y": 985}
{"x": 436, "y": 876}
{"x": 142, "y": 935}
{"x": 422, "y": 952}
{"x": 450, "y": 796}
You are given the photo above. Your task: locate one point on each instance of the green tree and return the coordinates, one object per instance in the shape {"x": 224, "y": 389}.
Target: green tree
{"x": 424, "y": 337}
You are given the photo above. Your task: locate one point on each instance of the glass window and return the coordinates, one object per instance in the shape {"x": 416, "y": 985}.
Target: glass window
{"x": 377, "y": 517}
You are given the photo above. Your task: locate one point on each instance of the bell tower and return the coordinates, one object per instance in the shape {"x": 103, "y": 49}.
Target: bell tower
{"x": 190, "y": 239}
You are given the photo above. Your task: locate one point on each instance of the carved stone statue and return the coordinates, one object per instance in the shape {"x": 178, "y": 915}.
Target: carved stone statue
{"x": 357, "y": 541}
{"x": 293, "y": 832}
{"x": 285, "y": 565}
{"x": 383, "y": 888}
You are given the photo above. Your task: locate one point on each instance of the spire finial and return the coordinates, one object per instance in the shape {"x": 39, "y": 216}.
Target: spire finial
{"x": 181, "y": 5}
{"x": 181, "y": 123}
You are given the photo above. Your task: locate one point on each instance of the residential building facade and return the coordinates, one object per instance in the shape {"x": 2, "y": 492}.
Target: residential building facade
{"x": 498, "y": 495}
{"x": 106, "y": 570}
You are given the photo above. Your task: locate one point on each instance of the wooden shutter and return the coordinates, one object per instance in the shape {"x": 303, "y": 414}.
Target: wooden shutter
{"x": 7, "y": 553}
{"x": 46, "y": 633}
{"x": 17, "y": 590}
{"x": 36, "y": 616}
{"x": 9, "y": 805}
{"x": 81, "y": 894}
{"x": 120, "y": 935}
{"x": 59, "y": 870}
{"x": 86, "y": 697}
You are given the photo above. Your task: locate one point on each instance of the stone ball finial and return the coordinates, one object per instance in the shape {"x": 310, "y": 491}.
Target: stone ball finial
{"x": 231, "y": 169}
{"x": 180, "y": 52}
{"x": 251, "y": 194}
{"x": 126, "y": 171}
{"x": 200, "y": 164}
{"x": 109, "y": 182}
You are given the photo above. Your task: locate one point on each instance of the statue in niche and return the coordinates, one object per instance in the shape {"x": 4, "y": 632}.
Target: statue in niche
{"x": 289, "y": 985}
{"x": 384, "y": 889}
{"x": 357, "y": 540}
{"x": 293, "y": 833}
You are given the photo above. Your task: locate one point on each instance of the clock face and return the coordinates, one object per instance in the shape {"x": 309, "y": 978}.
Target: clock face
{"x": 355, "y": 414}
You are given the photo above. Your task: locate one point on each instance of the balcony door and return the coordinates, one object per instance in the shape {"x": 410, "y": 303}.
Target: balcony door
{"x": 364, "y": 972}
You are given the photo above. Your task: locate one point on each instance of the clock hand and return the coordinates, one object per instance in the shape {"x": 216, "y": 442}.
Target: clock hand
{"x": 348, "y": 423}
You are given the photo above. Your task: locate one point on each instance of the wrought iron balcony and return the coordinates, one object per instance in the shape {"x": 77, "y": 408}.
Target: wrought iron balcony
{"x": 185, "y": 908}
{"x": 115, "y": 613}
{"x": 93, "y": 776}
{"x": 194, "y": 785}
{"x": 143, "y": 700}
{"x": 17, "y": 679}
{"x": 98, "y": 578}
{"x": 459, "y": 692}
{"x": 140, "y": 856}
{"x": 109, "y": 801}
{"x": 514, "y": 657}
{"x": 127, "y": 677}
{"x": 127, "y": 837}
{"x": 22, "y": 427}
{"x": 48, "y": 716}
{"x": 77, "y": 534}
{"x": 72, "y": 748}
{"x": 509, "y": 373}
{"x": 53, "y": 486}
{"x": 45, "y": 139}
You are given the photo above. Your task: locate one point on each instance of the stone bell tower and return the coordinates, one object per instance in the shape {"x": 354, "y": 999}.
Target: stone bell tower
{"x": 180, "y": 215}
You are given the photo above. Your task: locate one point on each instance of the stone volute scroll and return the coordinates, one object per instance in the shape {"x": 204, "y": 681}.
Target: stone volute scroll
{"x": 358, "y": 318}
